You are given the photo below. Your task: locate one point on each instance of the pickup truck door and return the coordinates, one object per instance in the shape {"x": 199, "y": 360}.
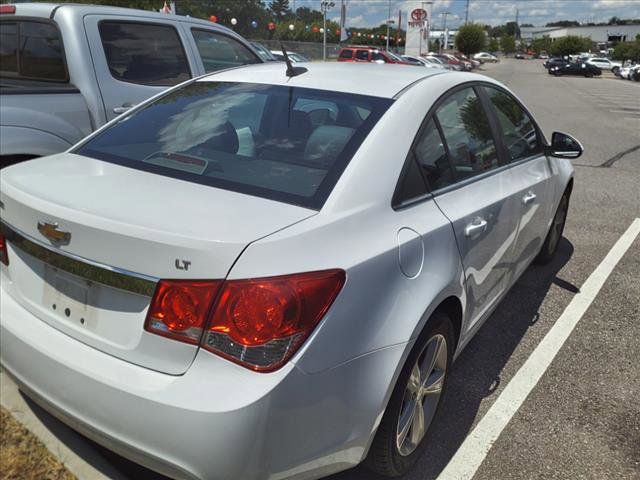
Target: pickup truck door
{"x": 135, "y": 58}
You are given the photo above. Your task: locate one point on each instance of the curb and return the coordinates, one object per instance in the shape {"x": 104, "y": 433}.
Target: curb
{"x": 73, "y": 450}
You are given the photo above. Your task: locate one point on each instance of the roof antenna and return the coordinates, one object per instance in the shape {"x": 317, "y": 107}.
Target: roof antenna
{"x": 291, "y": 70}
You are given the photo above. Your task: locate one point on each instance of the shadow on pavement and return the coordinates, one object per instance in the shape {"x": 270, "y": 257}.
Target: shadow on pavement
{"x": 474, "y": 377}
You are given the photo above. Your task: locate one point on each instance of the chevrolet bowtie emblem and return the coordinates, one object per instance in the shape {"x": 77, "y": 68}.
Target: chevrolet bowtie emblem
{"x": 50, "y": 232}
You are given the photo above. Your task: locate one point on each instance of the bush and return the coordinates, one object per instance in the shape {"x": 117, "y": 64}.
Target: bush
{"x": 470, "y": 39}
{"x": 627, "y": 51}
{"x": 570, "y": 45}
{"x": 508, "y": 44}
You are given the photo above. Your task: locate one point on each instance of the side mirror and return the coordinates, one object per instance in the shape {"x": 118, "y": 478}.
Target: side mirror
{"x": 564, "y": 146}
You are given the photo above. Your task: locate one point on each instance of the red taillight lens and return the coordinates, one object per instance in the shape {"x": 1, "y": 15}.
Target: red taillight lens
{"x": 7, "y": 9}
{"x": 179, "y": 308}
{"x": 260, "y": 323}
{"x": 4, "y": 256}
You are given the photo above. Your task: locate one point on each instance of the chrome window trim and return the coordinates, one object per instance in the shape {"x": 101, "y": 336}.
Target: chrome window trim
{"x": 89, "y": 270}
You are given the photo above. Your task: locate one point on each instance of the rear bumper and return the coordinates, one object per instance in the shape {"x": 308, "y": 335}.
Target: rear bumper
{"x": 217, "y": 421}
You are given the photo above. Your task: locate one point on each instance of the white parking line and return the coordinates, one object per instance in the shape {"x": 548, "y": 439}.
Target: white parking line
{"x": 465, "y": 462}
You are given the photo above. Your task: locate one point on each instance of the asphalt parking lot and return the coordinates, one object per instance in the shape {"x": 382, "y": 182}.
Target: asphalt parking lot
{"x": 582, "y": 419}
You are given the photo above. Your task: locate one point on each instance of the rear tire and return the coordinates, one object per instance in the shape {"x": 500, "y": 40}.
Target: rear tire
{"x": 550, "y": 245}
{"x": 404, "y": 429}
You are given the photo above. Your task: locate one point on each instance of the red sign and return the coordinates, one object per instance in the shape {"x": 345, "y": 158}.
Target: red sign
{"x": 419, "y": 15}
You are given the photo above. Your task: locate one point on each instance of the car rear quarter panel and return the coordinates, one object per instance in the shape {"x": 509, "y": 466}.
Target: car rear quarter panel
{"x": 357, "y": 230}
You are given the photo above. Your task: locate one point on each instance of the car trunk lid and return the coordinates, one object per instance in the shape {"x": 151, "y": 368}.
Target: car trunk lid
{"x": 88, "y": 241}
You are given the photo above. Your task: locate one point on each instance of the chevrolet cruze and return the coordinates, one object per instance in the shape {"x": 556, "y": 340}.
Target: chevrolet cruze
{"x": 266, "y": 273}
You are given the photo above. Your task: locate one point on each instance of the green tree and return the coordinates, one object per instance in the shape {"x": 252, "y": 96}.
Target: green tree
{"x": 280, "y": 9}
{"x": 541, "y": 45}
{"x": 494, "y": 45}
{"x": 508, "y": 44}
{"x": 563, "y": 23}
{"x": 570, "y": 45}
{"x": 471, "y": 38}
{"x": 627, "y": 51}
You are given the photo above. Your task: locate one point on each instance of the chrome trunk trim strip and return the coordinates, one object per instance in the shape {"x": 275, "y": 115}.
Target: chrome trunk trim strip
{"x": 89, "y": 270}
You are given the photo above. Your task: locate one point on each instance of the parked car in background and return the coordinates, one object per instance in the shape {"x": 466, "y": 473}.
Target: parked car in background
{"x": 453, "y": 62}
{"x": 68, "y": 69}
{"x": 520, "y": 56}
{"x": 420, "y": 61}
{"x": 554, "y": 62}
{"x": 543, "y": 56}
{"x": 457, "y": 59}
{"x": 439, "y": 62}
{"x": 293, "y": 56}
{"x": 604, "y": 64}
{"x": 368, "y": 54}
{"x": 264, "y": 52}
{"x": 485, "y": 57}
{"x": 629, "y": 72}
{"x": 584, "y": 69}
{"x": 195, "y": 286}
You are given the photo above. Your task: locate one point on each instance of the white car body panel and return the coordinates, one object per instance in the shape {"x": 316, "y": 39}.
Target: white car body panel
{"x": 188, "y": 413}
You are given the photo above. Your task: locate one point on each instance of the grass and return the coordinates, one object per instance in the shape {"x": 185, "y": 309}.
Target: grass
{"x": 23, "y": 456}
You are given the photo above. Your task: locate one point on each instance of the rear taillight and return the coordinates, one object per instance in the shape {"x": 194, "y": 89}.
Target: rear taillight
{"x": 180, "y": 308}
{"x": 4, "y": 255}
{"x": 4, "y": 9}
{"x": 260, "y": 323}
{"x": 257, "y": 323}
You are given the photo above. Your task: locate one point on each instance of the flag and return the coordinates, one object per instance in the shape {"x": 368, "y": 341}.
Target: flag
{"x": 165, "y": 9}
{"x": 343, "y": 22}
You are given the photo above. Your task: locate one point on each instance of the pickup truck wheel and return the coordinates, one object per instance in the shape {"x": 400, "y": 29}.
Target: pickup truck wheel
{"x": 588, "y": 75}
{"x": 550, "y": 245}
{"x": 615, "y": 70}
{"x": 404, "y": 428}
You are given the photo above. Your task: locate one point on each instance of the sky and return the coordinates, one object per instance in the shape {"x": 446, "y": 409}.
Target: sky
{"x": 370, "y": 13}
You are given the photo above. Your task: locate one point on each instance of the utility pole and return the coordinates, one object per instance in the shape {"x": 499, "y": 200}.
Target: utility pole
{"x": 324, "y": 6}
{"x": 517, "y": 29}
{"x": 444, "y": 29}
{"x": 429, "y": 20}
{"x": 466, "y": 14}
{"x": 388, "y": 22}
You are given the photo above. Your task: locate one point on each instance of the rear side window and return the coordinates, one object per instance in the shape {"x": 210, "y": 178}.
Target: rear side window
{"x": 283, "y": 143}
{"x": 432, "y": 158}
{"x": 219, "y": 51}
{"x": 144, "y": 53}
{"x": 377, "y": 56}
{"x": 346, "y": 54}
{"x": 32, "y": 50}
{"x": 518, "y": 130}
{"x": 362, "y": 54}
{"x": 467, "y": 133}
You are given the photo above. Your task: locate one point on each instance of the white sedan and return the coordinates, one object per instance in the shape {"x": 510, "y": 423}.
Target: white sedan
{"x": 485, "y": 57}
{"x": 267, "y": 272}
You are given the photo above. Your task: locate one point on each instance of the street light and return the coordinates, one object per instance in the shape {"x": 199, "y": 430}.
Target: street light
{"x": 324, "y": 6}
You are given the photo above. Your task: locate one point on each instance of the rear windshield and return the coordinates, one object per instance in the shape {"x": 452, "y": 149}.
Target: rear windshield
{"x": 283, "y": 143}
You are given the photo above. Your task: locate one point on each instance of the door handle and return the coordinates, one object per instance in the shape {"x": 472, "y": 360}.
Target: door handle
{"x": 528, "y": 198}
{"x": 125, "y": 107}
{"x": 478, "y": 225}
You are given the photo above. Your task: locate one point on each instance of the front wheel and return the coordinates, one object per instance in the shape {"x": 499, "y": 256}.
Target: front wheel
{"x": 588, "y": 75}
{"x": 403, "y": 431}
{"x": 550, "y": 245}
{"x": 615, "y": 70}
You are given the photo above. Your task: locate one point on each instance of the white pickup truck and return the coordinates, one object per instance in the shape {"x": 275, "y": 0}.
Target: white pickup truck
{"x": 66, "y": 70}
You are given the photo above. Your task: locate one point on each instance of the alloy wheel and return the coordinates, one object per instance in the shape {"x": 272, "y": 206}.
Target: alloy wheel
{"x": 422, "y": 395}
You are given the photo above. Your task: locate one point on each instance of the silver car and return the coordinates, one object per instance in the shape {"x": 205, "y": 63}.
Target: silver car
{"x": 267, "y": 272}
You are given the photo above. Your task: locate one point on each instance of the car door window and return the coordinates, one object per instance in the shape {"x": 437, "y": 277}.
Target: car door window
{"x": 144, "y": 53}
{"x": 362, "y": 54}
{"x": 32, "y": 50}
{"x": 518, "y": 130}
{"x": 378, "y": 57}
{"x": 467, "y": 133}
{"x": 432, "y": 157}
{"x": 346, "y": 54}
{"x": 219, "y": 51}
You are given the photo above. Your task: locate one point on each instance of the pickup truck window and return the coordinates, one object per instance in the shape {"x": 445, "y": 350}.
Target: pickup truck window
{"x": 31, "y": 50}
{"x": 220, "y": 51}
{"x": 144, "y": 53}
